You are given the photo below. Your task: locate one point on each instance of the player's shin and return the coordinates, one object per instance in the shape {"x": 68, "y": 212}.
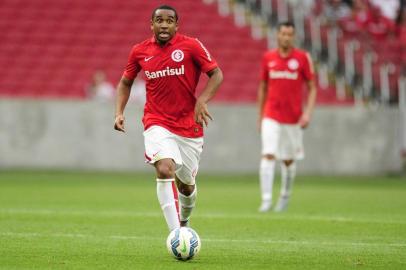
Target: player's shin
{"x": 266, "y": 177}
{"x": 288, "y": 177}
{"x": 187, "y": 203}
{"x": 166, "y": 199}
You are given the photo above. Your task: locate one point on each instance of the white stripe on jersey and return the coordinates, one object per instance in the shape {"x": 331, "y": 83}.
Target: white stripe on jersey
{"x": 205, "y": 50}
{"x": 309, "y": 59}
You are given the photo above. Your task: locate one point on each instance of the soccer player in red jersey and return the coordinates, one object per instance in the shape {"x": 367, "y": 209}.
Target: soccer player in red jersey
{"x": 284, "y": 71}
{"x": 173, "y": 117}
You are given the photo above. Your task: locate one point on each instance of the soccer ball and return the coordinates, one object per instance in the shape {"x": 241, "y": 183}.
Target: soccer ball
{"x": 183, "y": 243}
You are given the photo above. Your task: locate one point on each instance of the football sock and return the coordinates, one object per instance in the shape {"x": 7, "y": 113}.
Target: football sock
{"x": 266, "y": 176}
{"x": 288, "y": 176}
{"x": 187, "y": 203}
{"x": 167, "y": 201}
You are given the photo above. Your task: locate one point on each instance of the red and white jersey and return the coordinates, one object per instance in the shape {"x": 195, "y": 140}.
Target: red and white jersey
{"x": 172, "y": 73}
{"x": 285, "y": 77}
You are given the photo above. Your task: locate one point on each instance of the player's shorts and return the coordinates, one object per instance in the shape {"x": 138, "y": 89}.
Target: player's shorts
{"x": 160, "y": 143}
{"x": 284, "y": 141}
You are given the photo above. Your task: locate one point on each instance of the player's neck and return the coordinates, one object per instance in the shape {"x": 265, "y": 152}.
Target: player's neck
{"x": 162, "y": 43}
{"x": 285, "y": 52}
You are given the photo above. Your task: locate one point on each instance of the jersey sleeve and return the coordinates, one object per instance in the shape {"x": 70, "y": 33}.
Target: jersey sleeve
{"x": 264, "y": 68}
{"x": 132, "y": 68}
{"x": 308, "y": 70}
{"x": 202, "y": 56}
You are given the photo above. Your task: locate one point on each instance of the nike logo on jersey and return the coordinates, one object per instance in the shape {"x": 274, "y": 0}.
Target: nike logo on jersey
{"x": 146, "y": 59}
{"x": 272, "y": 64}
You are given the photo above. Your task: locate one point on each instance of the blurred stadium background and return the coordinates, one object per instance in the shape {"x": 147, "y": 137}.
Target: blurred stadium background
{"x": 75, "y": 194}
{"x": 50, "y": 50}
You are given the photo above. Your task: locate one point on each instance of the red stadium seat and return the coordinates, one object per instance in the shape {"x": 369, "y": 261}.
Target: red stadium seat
{"x": 51, "y": 48}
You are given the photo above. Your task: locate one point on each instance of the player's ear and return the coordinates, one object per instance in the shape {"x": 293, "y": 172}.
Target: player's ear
{"x": 152, "y": 25}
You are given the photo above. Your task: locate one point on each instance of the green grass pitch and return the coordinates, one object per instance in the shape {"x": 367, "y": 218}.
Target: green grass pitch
{"x": 84, "y": 220}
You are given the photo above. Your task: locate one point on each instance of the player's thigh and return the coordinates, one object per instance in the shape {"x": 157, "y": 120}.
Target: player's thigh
{"x": 190, "y": 150}
{"x": 161, "y": 144}
{"x": 270, "y": 136}
{"x": 291, "y": 143}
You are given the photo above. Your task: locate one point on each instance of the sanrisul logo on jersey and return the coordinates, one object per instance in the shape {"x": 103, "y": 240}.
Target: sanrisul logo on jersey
{"x": 165, "y": 72}
{"x": 273, "y": 74}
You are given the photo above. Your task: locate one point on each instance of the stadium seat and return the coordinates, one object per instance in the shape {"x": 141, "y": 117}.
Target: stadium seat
{"x": 51, "y": 48}
{"x": 55, "y": 46}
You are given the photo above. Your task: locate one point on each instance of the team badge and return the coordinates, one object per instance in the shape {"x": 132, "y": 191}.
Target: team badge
{"x": 177, "y": 55}
{"x": 293, "y": 64}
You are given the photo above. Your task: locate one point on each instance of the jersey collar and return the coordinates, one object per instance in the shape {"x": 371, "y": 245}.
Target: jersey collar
{"x": 289, "y": 55}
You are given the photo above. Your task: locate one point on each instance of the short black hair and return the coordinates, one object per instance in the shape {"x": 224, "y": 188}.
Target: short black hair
{"x": 167, "y": 8}
{"x": 286, "y": 24}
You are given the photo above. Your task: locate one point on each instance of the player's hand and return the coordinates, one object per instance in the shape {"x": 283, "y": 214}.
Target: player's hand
{"x": 119, "y": 123}
{"x": 304, "y": 120}
{"x": 202, "y": 114}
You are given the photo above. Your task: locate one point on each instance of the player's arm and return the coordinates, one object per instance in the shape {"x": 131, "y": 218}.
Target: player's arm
{"x": 123, "y": 94}
{"x": 311, "y": 102}
{"x": 262, "y": 89}
{"x": 202, "y": 114}
{"x": 311, "y": 98}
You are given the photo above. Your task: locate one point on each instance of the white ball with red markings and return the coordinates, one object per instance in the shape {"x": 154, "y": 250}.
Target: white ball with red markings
{"x": 183, "y": 243}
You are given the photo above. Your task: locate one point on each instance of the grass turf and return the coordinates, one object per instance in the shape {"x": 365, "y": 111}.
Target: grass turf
{"x": 83, "y": 220}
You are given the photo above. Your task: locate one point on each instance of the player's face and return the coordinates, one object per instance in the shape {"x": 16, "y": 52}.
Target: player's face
{"x": 286, "y": 36}
{"x": 164, "y": 25}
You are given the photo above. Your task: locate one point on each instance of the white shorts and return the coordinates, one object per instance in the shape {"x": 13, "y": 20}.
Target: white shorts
{"x": 283, "y": 141}
{"x": 160, "y": 143}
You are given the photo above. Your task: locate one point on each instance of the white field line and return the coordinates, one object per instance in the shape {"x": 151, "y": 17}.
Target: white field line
{"x": 270, "y": 216}
{"x": 214, "y": 240}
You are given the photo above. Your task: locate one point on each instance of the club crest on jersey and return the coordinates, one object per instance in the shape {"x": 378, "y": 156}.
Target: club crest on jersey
{"x": 177, "y": 55}
{"x": 293, "y": 64}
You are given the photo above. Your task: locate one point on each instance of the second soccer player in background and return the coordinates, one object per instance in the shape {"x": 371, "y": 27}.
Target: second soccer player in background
{"x": 281, "y": 119}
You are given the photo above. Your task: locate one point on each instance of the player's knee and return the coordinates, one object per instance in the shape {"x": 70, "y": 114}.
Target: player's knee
{"x": 269, "y": 156}
{"x": 288, "y": 162}
{"x": 186, "y": 190}
{"x": 165, "y": 168}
